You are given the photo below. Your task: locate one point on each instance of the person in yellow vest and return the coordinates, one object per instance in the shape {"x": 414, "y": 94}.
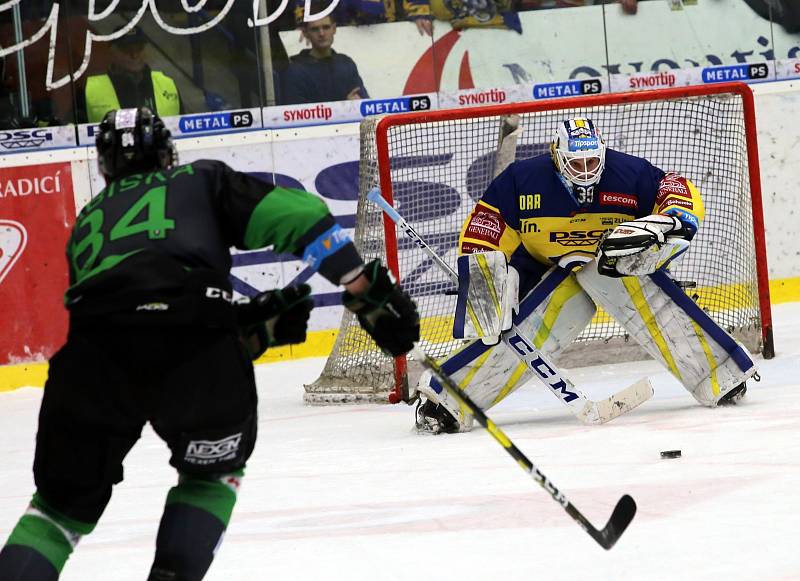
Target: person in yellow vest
{"x": 129, "y": 82}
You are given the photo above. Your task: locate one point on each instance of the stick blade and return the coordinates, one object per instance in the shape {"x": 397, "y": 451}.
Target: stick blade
{"x": 620, "y": 403}
{"x": 620, "y": 519}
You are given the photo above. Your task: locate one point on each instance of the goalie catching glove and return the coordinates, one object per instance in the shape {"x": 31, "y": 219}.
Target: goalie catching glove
{"x": 273, "y": 318}
{"x": 642, "y": 246}
{"x": 385, "y": 311}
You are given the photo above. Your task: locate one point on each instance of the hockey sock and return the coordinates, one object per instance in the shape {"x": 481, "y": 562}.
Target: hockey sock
{"x": 41, "y": 543}
{"x": 195, "y": 518}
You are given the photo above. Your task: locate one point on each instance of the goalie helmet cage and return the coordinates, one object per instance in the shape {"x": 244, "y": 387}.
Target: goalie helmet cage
{"x": 434, "y": 166}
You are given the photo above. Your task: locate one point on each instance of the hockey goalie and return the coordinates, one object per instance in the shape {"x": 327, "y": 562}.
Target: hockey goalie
{"x": 557, "y": 235}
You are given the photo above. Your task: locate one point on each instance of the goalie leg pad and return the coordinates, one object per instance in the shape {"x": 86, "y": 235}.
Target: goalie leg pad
{"x": 553, "y": 314}
{"x": 674, "y": 330}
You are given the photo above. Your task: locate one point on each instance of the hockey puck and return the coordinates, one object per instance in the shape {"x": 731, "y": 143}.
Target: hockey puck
{"x": 671, "y": 454}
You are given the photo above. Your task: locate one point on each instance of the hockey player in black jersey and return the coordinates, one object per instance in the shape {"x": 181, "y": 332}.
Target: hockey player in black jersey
{"x": 155, "y": 337}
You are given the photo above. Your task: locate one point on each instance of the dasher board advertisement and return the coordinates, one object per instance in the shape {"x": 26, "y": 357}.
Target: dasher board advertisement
{"x": 37, "y": 210}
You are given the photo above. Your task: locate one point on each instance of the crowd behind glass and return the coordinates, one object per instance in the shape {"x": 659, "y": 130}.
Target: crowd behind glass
{"x": 232, "y": 65}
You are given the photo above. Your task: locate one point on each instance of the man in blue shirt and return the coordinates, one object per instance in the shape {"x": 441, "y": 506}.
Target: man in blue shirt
{"x": 320, "y": 73}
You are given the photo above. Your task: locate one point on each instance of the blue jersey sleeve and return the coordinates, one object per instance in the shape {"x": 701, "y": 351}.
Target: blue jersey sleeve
{"x": 502, "y": 194}
{"x": 647, "y": 185}
{"x": 492, "y": 225}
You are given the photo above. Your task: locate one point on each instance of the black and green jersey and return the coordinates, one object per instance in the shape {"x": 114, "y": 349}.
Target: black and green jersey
{"x": 147, "y": 241}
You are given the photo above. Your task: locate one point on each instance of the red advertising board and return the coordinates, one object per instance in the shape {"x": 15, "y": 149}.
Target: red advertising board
{"x": 37, "y": 210}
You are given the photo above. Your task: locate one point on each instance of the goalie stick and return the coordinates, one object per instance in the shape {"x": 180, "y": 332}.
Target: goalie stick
{"x": 587, "y": 411}
{"x": 626, "y": 507}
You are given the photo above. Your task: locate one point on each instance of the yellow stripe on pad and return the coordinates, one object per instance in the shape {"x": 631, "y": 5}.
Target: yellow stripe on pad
{"x": 464, "y": 383}
{"x": 487, "y": 276}
{"x": 712, "y": 363}
{"x": 563, "y": 293}
{"x": 511, "y": 383}
{"x": 634, "y": 289}
{"x": 474, "y": 318}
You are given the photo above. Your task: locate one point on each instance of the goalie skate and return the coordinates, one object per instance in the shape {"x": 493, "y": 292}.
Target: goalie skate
{"x": 433, "y": 418}
{"x": 734, "y": 396}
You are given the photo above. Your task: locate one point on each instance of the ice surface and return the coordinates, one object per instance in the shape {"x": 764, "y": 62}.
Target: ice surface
{"x": 351, "y": 493}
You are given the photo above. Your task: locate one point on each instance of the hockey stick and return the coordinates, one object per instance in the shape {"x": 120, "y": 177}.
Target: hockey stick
{"x": 586, "y": 410}
{"x": 626, "y": 507}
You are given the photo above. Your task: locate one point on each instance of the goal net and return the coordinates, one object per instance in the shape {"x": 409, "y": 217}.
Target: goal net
{"x": 434, "y": 166}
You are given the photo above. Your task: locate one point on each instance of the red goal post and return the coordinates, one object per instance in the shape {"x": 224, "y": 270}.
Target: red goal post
{"x": 433, "y": 166}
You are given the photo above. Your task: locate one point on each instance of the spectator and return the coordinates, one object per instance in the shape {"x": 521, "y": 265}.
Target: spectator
{"x": 365, "y": 12}
{"x": 128, "y": 83}
{"x": 320, "y": 73}
{"x": 784, "y": 12}
{"x": 352, "y": 12}
{"x": 10, "y": 115}
{"x": 45, "y": 106}
{"x": 464, "y": 14}
{"x": 628, "y": 6}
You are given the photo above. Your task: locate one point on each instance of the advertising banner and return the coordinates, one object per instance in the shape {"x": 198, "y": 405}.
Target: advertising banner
{"x": 37, "y": 210}
{"x": 216, "y": 122}
{"x": 194, "y": 125}
{"x": 33, "y": 139}
{"x": 484, "y": 97}
{"x": 344, "y": 111}
{"x": 565, "y": 44}
{"x": 788, "y": 68}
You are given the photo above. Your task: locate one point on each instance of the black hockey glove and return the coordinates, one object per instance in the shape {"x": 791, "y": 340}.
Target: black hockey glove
{"x": 385, "y": 311}
{"x": 276, "y": 317}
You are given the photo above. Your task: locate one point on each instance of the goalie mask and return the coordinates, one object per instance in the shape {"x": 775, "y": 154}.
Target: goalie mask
{"x": 579, "y": 154}
{"x": 133, "y": 140}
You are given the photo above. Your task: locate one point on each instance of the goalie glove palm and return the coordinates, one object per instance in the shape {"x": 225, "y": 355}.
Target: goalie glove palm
{"x": 641, "y": 247}
{"x": 385, "y": 311}
{"x": 276, "y": 317}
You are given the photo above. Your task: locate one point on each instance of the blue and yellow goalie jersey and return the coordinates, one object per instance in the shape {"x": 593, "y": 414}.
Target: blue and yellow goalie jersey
{"x": 531, "y": 213}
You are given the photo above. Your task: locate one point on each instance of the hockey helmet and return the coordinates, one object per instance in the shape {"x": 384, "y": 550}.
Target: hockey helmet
{"x": 133, "y": 140}
{"x": 579, "y": 151}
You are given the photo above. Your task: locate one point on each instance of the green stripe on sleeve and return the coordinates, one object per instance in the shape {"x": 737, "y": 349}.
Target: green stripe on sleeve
{"x": 282, "y": 217}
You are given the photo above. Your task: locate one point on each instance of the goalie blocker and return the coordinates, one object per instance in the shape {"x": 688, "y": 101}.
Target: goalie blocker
{"x": 487, "y": 296}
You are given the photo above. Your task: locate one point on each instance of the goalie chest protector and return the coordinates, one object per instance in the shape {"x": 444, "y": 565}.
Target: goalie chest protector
{"x": 529, "y": 204}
